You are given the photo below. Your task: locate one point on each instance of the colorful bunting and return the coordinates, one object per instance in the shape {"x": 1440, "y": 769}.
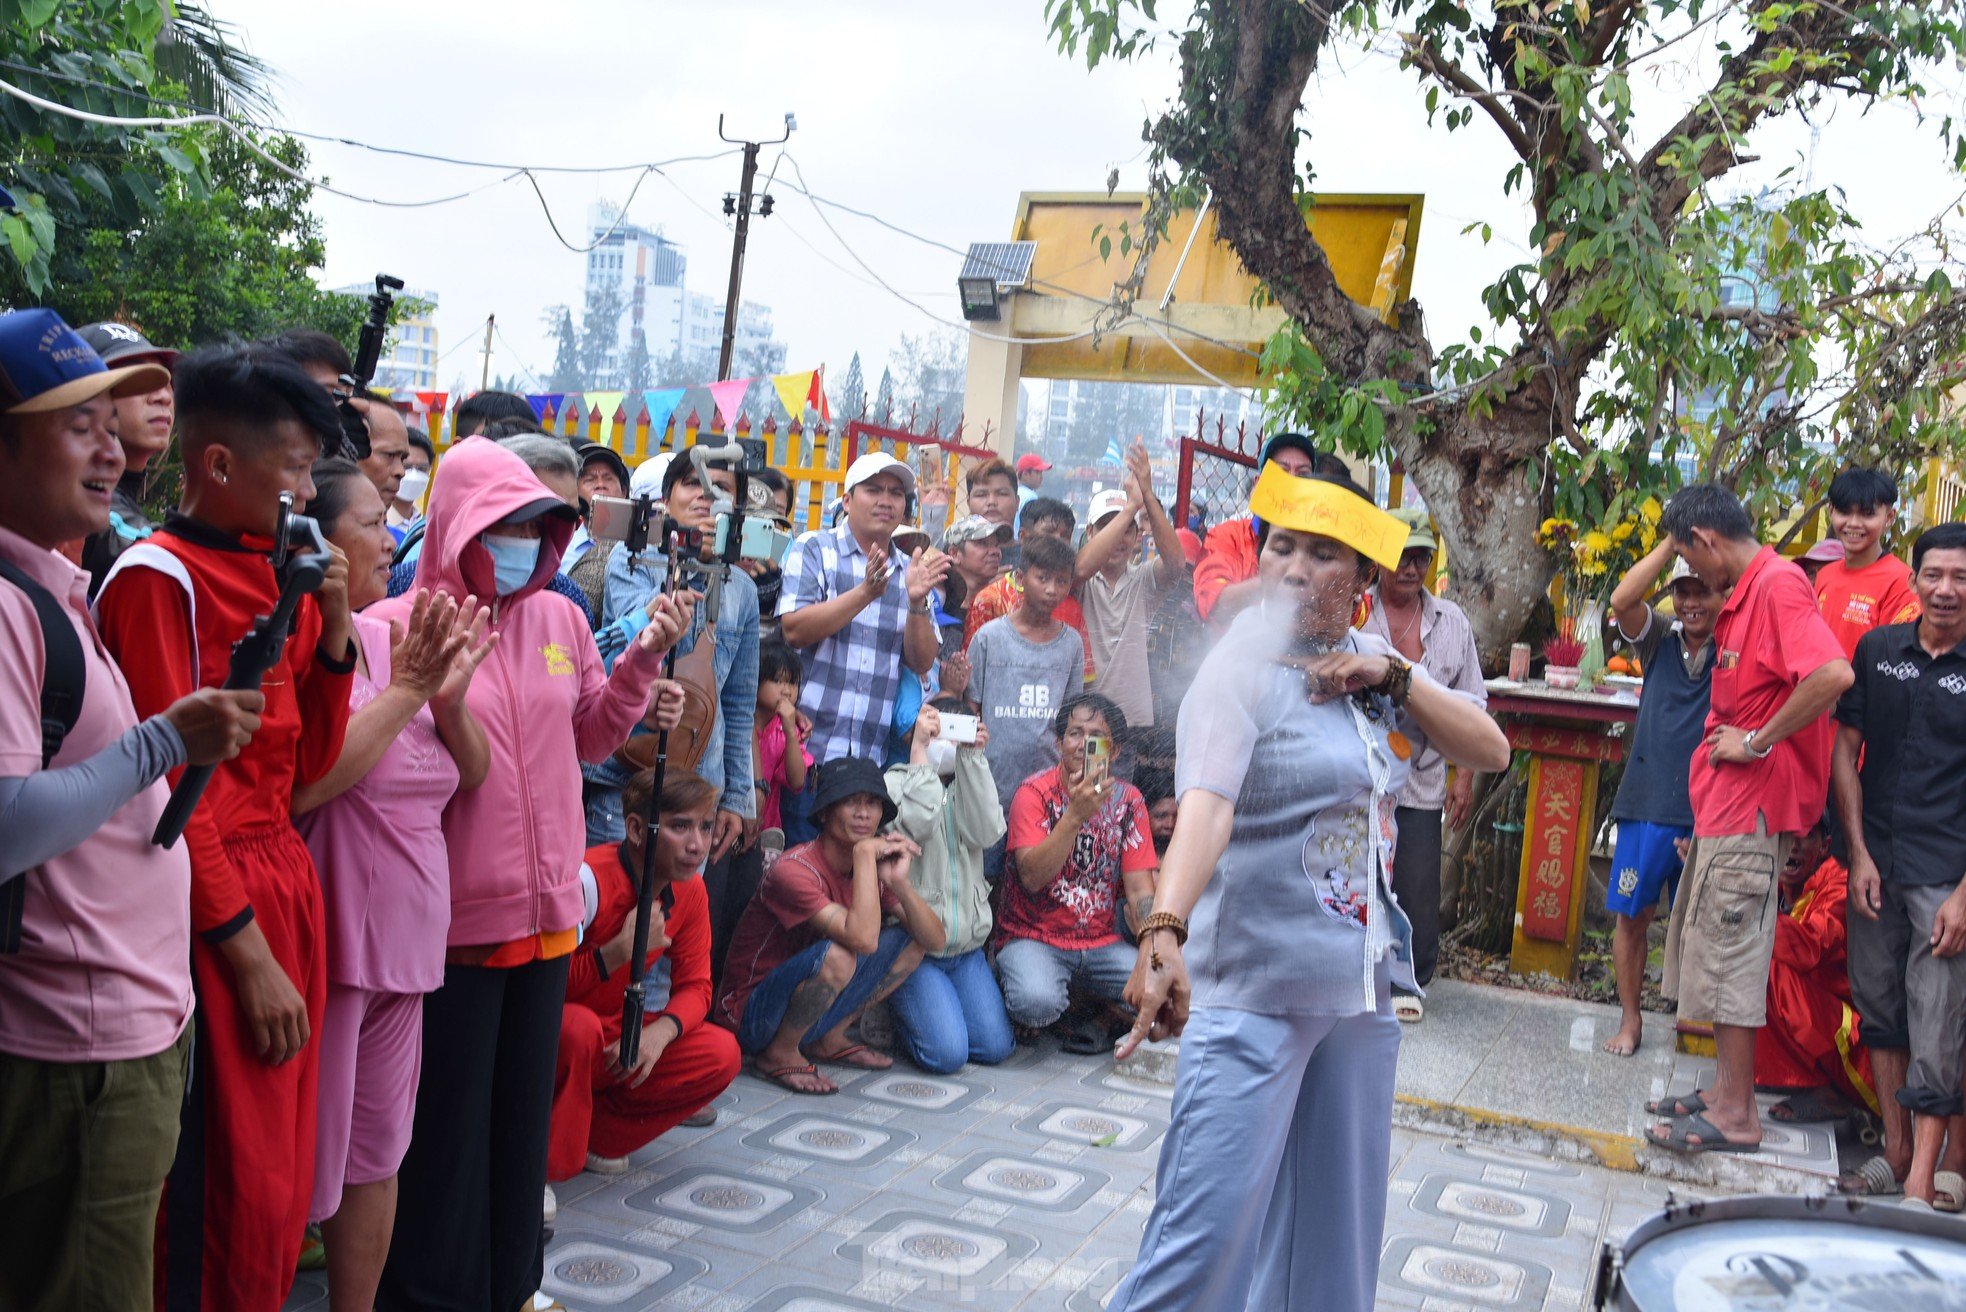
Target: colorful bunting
{"x": 606, "y": 402}
{"x": 729, "y": 395}
{"x": 793, "y": 392}
{"x": 433, "y": 402}
{"x": 541, "y": 402}
{"x": 661, "y": 404}
{"x": 817, "y": 396}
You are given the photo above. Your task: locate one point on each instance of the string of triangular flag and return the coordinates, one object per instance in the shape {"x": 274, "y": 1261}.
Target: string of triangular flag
{"x": 797, "y": 392}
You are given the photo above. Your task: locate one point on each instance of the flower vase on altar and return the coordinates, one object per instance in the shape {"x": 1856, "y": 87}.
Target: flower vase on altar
{"x": 1590, "y": 666}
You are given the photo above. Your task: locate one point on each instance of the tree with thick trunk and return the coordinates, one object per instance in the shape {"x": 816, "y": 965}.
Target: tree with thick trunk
{"x": 1630, "y": 300}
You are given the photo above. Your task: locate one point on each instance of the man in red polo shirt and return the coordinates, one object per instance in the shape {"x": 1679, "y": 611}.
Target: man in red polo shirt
{"x": 1758, "y": 782}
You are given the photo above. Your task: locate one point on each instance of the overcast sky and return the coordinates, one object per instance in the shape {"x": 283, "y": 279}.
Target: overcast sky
{"x": 931, "y": 114}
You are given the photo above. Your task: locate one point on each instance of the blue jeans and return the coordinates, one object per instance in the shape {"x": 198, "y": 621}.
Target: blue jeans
{"x": 1038, "y": 979}
{"x": 795, "y": 813}
{"x": 949, "y": 1011}
{"x": 764, "y": 1010}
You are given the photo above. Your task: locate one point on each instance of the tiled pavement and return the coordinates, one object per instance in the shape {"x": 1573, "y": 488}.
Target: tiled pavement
{"x": 1020, "y": 1186}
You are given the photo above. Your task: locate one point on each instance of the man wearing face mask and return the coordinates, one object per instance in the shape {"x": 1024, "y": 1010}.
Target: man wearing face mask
{"x": 950, "y": 1010}
{"x": 407, "y": 508}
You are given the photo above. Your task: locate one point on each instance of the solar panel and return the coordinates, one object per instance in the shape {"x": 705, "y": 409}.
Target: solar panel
{"x": 1009, "y": 262}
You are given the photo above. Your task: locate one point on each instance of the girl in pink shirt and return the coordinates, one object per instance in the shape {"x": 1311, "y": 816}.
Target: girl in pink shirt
{"x": 779, "y": 723}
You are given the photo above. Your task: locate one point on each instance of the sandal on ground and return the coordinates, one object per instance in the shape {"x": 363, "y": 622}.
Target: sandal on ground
{"x": 1409, "y": 1008}
{"x": 1871, "y": 1180}
{"x": 1679, "y": 1134}
{"x": 783, "y": 1077}
{"x": 1085, "y": 1038}
{"x": 1686, "y": 1104}
{"x": 857, "y": 1055}
{"x": 1810, "y": 1107}
{"x": 1949, "y": 1191}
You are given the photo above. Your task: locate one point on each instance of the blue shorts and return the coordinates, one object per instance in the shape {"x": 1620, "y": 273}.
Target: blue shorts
{"x": 1645, "y": 862}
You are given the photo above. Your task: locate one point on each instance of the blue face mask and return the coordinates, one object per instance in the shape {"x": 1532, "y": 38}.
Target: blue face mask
{"x": 513, "y": 561}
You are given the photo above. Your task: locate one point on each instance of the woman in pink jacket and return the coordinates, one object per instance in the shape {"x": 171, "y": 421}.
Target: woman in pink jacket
{"x": 468, "y": 1215}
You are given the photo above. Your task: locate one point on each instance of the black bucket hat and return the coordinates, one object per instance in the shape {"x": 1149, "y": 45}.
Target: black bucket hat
{"x": 851, "y": 776}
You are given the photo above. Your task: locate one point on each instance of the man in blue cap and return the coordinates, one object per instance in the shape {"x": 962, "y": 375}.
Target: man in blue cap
{"x": 95, "y": 932}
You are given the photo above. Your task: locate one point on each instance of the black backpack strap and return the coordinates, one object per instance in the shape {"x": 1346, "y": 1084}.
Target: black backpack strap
{"x": 63, "y": 681}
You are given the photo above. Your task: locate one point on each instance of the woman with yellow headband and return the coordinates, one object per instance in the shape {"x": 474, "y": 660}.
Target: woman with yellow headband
{"x": 1291, "y": 749}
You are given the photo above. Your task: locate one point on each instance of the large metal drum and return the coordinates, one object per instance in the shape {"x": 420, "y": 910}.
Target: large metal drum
{"x": 1786, "y": 1254}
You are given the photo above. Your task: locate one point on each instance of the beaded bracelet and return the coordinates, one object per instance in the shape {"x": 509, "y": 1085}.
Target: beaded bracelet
{"x": 1168, "y": 921}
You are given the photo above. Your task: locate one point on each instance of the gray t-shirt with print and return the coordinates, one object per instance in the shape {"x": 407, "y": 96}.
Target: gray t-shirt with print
{"x": 1019, "y": 685}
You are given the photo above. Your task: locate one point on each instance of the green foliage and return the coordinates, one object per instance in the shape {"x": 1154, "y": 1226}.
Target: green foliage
{"x": 1662, "y": 326}
{"x": 228, "y": 258}
{"x": 68, "y": 173}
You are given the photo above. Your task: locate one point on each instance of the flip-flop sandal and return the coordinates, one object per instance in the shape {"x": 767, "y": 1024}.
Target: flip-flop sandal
{"x": 1810, "y": 1107}
{"x": 1086, "y": 1039}
{"x": 1949, "y": 1191}
{"x": 1678, "y": 1137}
{"x": 1871, "y": 1180}
{"x": 1686, "y": 1104}
{"x": 856, "y": 1055}
{"x": 780, "y": 1075}
{"x": 1408, "y": 1008}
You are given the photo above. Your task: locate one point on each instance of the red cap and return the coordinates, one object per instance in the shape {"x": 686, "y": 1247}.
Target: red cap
{"x": 1031, "y": 460}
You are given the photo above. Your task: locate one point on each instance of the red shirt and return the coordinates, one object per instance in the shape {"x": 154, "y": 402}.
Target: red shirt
{"x": 1811, "y": 938}
{"x": 686, "y": 923}
{"x": 777, "y": 925}
{"x": 1769, "y": 638}
{"x": 1075, "y": 910}
{"x": 1000, "y": 597}
{"x": 1855, "y": 601}
{"x": 1228, "y": 556}
{"x": 153, "y": 628}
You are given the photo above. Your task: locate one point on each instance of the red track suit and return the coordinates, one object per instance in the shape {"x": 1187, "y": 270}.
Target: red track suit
{"x": 593, "y": 1111}
{"x": 169, "y": 614}
{"x": 1812, "y": 1036}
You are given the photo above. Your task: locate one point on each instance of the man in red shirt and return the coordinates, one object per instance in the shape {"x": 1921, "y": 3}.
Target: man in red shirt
{"x": 1869, "y": 587}
{"x": 1225, "y": 580}
{"x": 1081, "y": 857}
{"x": 1760, "y": 779}
{"x": 810, "y": 953}
{"x": 251, "y": 424}
{"x": 602, "y": 1113}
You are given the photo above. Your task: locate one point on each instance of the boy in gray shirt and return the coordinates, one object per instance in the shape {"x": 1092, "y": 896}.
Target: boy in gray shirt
{"x": 1024, "y": 665}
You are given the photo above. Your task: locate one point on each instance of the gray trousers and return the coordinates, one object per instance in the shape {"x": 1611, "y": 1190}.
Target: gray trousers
{"x": 1271, "y": 1189}
{"x": 1910, "y": 999}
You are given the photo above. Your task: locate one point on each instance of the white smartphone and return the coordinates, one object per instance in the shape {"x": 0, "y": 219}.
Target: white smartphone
{"x": 958, "y": 728}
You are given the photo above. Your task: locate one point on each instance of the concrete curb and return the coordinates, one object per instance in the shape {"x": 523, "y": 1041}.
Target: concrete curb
{"x": 1723, "y": 1172}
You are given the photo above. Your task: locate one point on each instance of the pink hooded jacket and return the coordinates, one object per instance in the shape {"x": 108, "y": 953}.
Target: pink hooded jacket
{"x": 543, "y": 697}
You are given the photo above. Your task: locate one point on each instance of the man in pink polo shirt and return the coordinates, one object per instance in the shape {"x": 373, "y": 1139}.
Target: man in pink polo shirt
{"x": 1759, "y": 781}
{"x": 95, "y": 923}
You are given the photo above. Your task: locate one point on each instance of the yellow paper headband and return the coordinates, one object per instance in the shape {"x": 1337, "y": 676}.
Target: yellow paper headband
{"x": 1312, "y": 505}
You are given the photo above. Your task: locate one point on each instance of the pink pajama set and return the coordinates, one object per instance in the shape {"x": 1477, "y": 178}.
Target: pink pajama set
{"x": 385, "y": 877}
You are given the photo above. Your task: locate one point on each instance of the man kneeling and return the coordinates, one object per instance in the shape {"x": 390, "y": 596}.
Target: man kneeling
{"x": 810, "y": 953}
{"x": 602, "y": 1113}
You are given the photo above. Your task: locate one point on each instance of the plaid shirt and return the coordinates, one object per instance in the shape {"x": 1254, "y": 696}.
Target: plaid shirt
{"x": 853, "y": 677}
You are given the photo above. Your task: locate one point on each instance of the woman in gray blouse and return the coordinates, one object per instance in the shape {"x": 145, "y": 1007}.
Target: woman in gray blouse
{"x": 1292, "y": 747}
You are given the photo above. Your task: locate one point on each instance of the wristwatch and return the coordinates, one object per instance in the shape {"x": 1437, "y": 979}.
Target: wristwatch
{"x": 924, "y": 609}
{"x": 1747, "y": 741}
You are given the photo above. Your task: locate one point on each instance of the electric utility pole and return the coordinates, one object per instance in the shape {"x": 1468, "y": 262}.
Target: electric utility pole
{"x": 740, "y": 206}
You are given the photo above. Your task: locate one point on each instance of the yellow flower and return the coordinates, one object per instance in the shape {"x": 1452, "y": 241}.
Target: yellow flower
{"x": 1650, "y": 511}
{"x": 1595, "y": 542}
{"x": 1623, "y": 532}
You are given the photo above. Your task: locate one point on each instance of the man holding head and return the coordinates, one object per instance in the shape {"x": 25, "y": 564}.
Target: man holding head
{"x": 862, "y": 615}
{"x": 252, "y": 425}
{"x": 1758, "y": 782}
{"x": 1225, "y": 580}
{"x": 95, "y": 935}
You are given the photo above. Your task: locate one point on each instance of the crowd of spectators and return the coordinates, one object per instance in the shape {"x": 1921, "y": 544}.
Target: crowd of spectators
{"x": 905, "y": 790}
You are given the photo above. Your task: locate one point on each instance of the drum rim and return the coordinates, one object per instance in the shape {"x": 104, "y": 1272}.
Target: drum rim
{"x": 1873, "y": 1212}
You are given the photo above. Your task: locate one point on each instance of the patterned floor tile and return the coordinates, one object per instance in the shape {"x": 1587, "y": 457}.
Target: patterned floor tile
{"x": 1092, "y": 1126}
{"x": 1022, "y": 1182}
{"x": 1462, "y": 1275}
{"x": 723, "y": 1201}
{"x": 592, "y": 1271}
{"x": 832, "y": 1139}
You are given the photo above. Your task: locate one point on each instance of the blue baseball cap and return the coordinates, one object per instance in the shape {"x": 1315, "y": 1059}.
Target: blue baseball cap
{"x": 45, "y": 365}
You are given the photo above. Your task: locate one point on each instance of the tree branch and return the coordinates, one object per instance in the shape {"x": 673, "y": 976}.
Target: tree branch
{"x": 1432, "y": 61}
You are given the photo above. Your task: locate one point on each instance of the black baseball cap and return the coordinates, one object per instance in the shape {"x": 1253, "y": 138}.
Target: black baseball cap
{"x": 120, "y": 344}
